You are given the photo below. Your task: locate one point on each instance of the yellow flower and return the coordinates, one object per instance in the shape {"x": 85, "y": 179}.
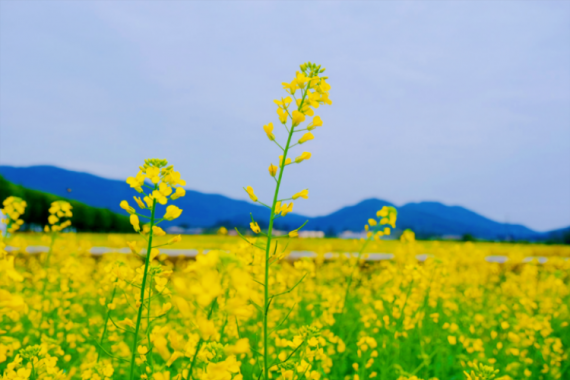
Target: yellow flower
{"x": 135, "y": 222}
{"x": 179, "y": 193}
{"x": 160, "y": 197}
{"x": 172, "y": 212}
{"x": 372, "y": 222}
{"x": 282, "y": 115}
{"x": 294, "y": 233}
{"x": 153, "y": 173}
{"x": 157, "y": 231}
{"x": 154, "y": 252}
{"x": 255, "y": 227}
{"x": 301, "y": 79}
{"x": 452, "y": 340}
{"x": 302, "y": 194}
{"x": 317, "y": 122}
{"x": 148, "y": 200}
{"x": 269, "y": 131}
{"x": 297, "y": 117}
{"x": 383, "y": 212}
{"x": 52, "y": 219}
{"x": 251, "y": 194}
{"x": 139, "y": 202}
{"x": 287, "y": 161}
{"x": 133, "y": 245}
{"x": 136, "y": 182}
{"x": 283, "y": 209}
{"x": 290, "y": 87}
{"x": 175, "y": 239}
{"x": 306, "y": 137}
{"x": 272, "y": 170}
{"x": 303, "y": 156}
{"x": 283, "y": 102}
{"x": 125, "y": 206}
{"x": 173, "y": 179}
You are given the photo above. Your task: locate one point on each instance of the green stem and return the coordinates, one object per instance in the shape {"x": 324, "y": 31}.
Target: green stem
{"x": 349, "y": 280}
{"x": 141, "y": 301}
{"x": 106, "y": 322}
{"x": 268, "y": 247}
{"x": 200, "y": 341}
{"x": 149, "y": 354}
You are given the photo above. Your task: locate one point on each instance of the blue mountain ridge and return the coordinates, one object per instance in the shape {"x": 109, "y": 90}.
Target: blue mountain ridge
{"x": 207, "y": 210}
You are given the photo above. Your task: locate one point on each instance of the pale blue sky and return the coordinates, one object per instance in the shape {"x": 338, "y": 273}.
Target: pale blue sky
{"x": 467, "y": 103}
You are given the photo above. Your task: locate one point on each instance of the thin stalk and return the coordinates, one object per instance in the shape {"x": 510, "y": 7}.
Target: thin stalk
{"x": 149, "y": 354}
{"x": 200, "y": 341}
{"x": 106, "y": 322}
{"x": 268, "y": 247}
{"x": 141, "y": 301}
{"x": 349, "y": 281}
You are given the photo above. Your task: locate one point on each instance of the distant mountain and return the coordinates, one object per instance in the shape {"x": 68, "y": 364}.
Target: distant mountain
{"x": 207, "y": 210}
{"x": 200, "y": 210}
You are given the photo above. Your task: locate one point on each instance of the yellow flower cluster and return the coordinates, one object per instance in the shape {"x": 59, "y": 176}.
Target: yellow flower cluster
{"x": 164, "y": 184}
{"x": 309, "y": 90}
{"x": 386, "y": 216}
{"x": 14, "y": 208}
{"x": 59, "y": 215}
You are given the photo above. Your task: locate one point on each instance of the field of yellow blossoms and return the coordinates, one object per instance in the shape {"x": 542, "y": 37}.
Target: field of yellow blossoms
{"x": 253, "y": 307}
{"x": 405, "y": 319}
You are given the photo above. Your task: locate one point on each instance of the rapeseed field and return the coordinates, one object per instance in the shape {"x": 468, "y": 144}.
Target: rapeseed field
{"x": 246, "y": 308}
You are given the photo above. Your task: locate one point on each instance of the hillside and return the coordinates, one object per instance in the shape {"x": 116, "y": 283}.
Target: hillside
{"x": 207, "y": 210}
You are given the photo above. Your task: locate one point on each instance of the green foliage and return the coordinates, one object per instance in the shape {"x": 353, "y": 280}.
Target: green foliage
{"x": 85, "y": 218}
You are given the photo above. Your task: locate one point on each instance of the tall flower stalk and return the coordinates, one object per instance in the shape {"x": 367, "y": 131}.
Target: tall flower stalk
{"x": 375, "y": 229}
{"x": 164, "y": 184}
{"x": 58, "y": 220}
{"x": 309, "y": 90}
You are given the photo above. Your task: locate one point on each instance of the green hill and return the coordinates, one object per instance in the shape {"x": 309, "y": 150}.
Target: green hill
{"x": 85, "y": 218}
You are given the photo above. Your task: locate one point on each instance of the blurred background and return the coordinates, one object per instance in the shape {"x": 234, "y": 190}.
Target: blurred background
{"x": 457, "y": 113}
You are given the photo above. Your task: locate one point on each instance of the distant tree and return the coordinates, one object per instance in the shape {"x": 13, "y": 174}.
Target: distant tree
{"x": 468, "y": 237}
{"x": 85, "y": 218}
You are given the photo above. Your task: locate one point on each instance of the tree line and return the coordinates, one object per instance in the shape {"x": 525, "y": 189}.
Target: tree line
{"x": 85, "y": 218}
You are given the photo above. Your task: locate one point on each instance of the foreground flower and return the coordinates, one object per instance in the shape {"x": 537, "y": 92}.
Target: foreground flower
{"x": 310, "y": 90}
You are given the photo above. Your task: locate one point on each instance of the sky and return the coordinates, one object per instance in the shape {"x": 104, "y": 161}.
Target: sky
{"x": 465, "y": 103}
